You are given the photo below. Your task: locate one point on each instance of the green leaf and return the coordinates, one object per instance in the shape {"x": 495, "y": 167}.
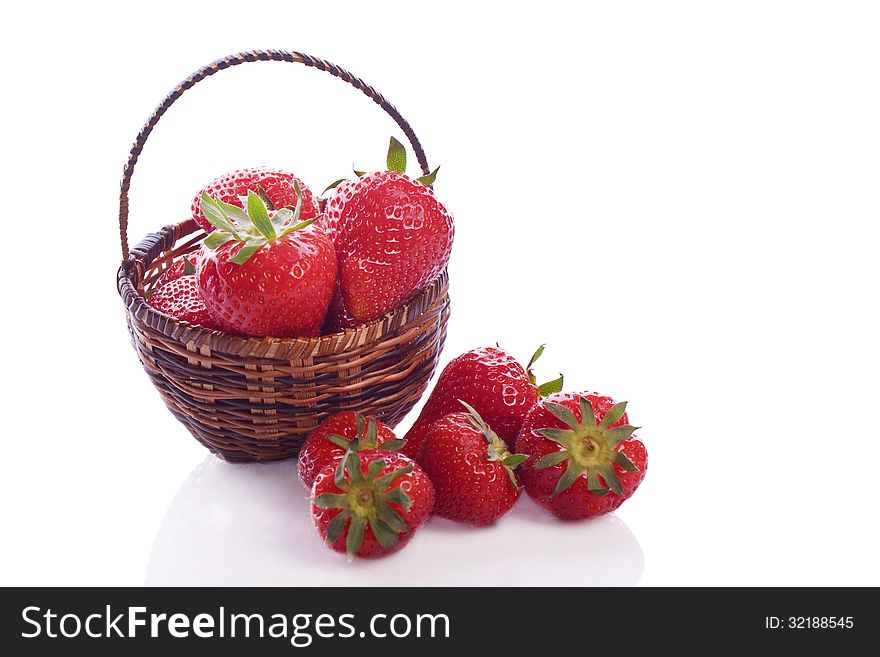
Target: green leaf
{"x": 623, "y": 461}
{"x": 259, "y": 215}
{"x": 588, "y": 415}
{"x": 492, "y": 453}
{"x": 245, "y": 252}
{"x": 339, "y": 475}
{"x": 235, "y": 213}
{"x": 386, "y": 536}
{"x": 618, "y": 435}
{"x": 512, "y": 477}
{"x": 282, "y": 217}
{"x": 353, "y": 468}
{"x": 333, "y": 185}
{"x": 562, "y": 413}
{"x": 339, "y": 441}
{"x": 188, "y": 268}
{"x": 330, "y": 501}
{"x": 480, "y": 423}
{"x": 375, "y": 468}
{"x": 371, "y": 435}
{"x": 610, "y": 476}
{"x": 613, "y": 415}
{"x": 355, "y": 536}
{"x": 301, "y": 224}
{"x": 297, "y": 209}
{"x": 215, "y": 215}
{"x": 336, "y": 526}
{"x": 265, "y": 198}
{"x": 393, "y": 519}
{"x": 593, "y": 484}
{"x": 551, "y": 387}
{"x": 359, "y": 174}
{"x": 398, "y": 496}
{"x": 549, "y": 460}
{"x": 572, "y": 472}
{"x": 514, "y": 460}
{"x": 429, "y": 178}
{"x": 393, "y": 445}
{"x": 217, "y": 239}
{"x": 149, "y": 293}
{"x": 532, "y": 361}
{"x": 561, "y": 436}
{"x": 383, "y": 482}
{"x": 396, "y": 160}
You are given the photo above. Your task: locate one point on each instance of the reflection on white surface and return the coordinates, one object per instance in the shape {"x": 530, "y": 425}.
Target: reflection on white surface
{"x": 249, "y": 525}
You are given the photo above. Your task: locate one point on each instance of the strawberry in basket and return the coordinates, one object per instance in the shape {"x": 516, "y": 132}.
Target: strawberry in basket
{"x": 267, "y": 273}
{"x": 177, "y": 294}
{"x": 277, "y": 188}
{"x": 392, "y": 237}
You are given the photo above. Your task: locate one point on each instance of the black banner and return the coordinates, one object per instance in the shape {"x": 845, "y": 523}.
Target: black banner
{"x": 401, "y": 621}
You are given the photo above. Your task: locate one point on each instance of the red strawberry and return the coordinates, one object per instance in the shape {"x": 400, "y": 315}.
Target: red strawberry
{"x": 583, "y": 460}
{"x": 268, "y": 274}
{"x": 471, "y": 469}
{"x": 329, "y": 221}
{"x": 338, "y": 318}
{"x": 336, "y": 435}
{"x": 393, "y": 239}
{"x": 490, "y": 380}
{"x": 177, "y": 294}
{"x": 370, "y": 504}
{"x": 277, "y": 187}
{"x": 185, "y": 266}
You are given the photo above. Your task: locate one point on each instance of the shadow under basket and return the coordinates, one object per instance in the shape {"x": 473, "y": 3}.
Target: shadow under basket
{"x": 256, "y": 399}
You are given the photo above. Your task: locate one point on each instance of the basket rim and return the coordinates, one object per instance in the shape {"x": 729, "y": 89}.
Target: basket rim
{"x": 344, "y": 342}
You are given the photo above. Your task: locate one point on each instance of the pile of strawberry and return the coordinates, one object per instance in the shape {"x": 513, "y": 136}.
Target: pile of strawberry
{"x": 275, "y": 264}
{"x": 486, "y": 432}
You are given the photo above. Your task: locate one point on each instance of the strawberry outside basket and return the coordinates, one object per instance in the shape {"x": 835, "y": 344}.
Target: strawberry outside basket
{"x": 256, "y": 399}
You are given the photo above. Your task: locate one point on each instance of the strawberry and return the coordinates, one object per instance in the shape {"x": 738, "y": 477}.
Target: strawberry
{"x": 338, "y": 434}
{"x": 268, "y": 274}
{"x": 392, "y": 236}
{"x": 583, "y": 460}
{"x": 471, "y": 469}
{"x": 185, "y": 266}
{"x": 330, "y": 219}
{"x": 338, "y": 318}
{"x": 278, "y": 189}
{"x": 177, "y": 294}
{"x": 490, "y": 380}
{"x": 370, "y": 504}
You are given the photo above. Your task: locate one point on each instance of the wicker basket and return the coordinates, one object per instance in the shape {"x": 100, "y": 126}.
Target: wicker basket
{"x": 255, "y": 399}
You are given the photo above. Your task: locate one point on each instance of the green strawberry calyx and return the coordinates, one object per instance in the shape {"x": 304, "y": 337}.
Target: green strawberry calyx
{"x": 545, "y": 388}
{"x": 587, "y": 447}
{"x": 367, "y": 437}
{"x": 365, "y": 500}
{"x": 188, "y": 267}
{"x": 395, "y": 160}
{"x": 496, "y": 449}
{"x": 251, "y": 226}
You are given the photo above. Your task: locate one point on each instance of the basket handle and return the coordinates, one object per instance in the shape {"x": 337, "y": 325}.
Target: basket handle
{"x": 235, "y": 60}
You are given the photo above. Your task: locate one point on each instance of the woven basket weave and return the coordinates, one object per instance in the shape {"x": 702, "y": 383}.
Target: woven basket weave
{"x": 255, "y": 399}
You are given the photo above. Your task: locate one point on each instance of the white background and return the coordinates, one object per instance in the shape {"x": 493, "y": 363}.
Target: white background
{"x": 680, "y": 198}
